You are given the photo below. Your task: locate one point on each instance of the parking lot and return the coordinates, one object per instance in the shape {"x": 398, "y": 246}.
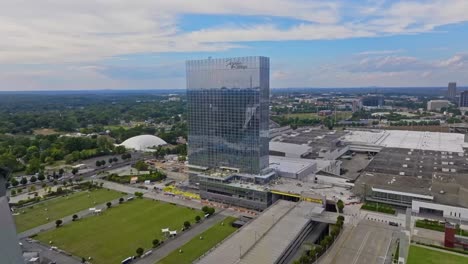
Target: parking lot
{"x": 368, "y": 242}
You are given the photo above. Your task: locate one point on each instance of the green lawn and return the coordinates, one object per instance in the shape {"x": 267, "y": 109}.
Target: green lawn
{"x": 421, "y": 255}
{"x": 118, "y": 232}
{"x": 61, "y": 207}
{"x": 196, "y": 247}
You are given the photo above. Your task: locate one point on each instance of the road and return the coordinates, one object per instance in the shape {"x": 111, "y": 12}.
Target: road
{"x": 183, "y": 238}
{"x": 46, "y": 253}
{"x": 368, "y": 242}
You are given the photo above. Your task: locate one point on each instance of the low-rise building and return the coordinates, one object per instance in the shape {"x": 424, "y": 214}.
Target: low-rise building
{"x": 437, "y": 105}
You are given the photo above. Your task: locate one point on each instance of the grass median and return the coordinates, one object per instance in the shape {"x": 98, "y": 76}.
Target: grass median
{"x": 422, "y": 255}
{"x": 197, "y": 247}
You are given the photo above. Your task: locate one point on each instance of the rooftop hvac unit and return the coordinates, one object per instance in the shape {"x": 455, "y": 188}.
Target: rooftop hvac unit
{"x": 405, "y": 165}
{"x": 402, "y": 173}
{"x": 445, "y": 170}
{"x": 453, "y": 170}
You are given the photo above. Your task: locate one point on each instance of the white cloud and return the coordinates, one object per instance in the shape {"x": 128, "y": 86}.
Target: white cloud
{"x": 57, "y": 34}
{"x": 62, "y": 31}
{"x": 379, "y": 52}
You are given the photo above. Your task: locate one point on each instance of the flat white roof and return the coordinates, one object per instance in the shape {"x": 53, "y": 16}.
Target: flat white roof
{"x": 435, "y": 141}
{"x": 292, "y": 165}
{"x": 289, "y": 148}
{"x": 427, "y": 197}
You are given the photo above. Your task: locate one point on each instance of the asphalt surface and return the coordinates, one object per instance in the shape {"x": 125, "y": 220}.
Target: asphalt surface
{"x": 46, "y": 253}
{"x": 368, "y": 242}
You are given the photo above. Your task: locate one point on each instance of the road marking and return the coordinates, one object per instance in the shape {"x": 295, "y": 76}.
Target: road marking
{"x": 361, "y": 247}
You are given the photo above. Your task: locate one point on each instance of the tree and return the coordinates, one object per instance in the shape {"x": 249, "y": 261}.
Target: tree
{"x": 115, "y": 159}
{"x": 14, "y": 182}
{"x": 186, "y": 224}
{"x": 140, "y": 251}
{"x": 24, "y": 180}
{"x": 58, "y": 223}
{"x": 340, "y": 206}
{"x": 74, "y": 217}
{"x": 33, "y": 179}
{"x": 110, "y": 160}
{"x": 210, "y": 211}
{"x": 98, "y": 163}
{"x": 121, "y": 200}
{"x": 103, "y": 162}
{"x": 13, "y": 192}
{"x": 41, "y": 176}
{"x": 139, "y": 194}
{"x": 155, "y": 242}
{"x": 74, "y": 171}
{"x": 108, "y": 204}
{"x": 141, "y": 166}
{"x": 197, "y": 218}
{"x": 61, "y": 172}
{"x": 205, "y": 209}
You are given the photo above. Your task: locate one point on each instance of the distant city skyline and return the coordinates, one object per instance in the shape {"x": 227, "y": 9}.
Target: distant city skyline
{"x": 85, "y": 45}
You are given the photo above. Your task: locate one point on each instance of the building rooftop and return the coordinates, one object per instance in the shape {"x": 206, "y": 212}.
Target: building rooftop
{"x": 437, "y": 173}
{"x": 281, "y": 235}
{"x": 264, "y": 239}
{"x": 284, "y": 147}
{"x": 291, "y": 165}
{"x": 244, "y": 239}
{"x": 436, "y": 141}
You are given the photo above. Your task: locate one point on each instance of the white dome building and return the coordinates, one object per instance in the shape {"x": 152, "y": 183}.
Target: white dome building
{"x": 143, "y": 143}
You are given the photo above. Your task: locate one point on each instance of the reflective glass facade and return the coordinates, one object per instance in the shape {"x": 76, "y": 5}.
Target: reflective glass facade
{"x": 228, "y": 107}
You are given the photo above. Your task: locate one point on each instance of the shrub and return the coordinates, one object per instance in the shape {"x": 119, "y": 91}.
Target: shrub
{"x": 155, "y": 242}
{"x": 197, "y": 218}
{"x": 74, "y": 217}
{"x": 186, "y": 224}
{"x": 140, "y": 251}
{"x": 58, "y": 223}
{"x": 376, "y": 207}
{"x": 108, "y": 204}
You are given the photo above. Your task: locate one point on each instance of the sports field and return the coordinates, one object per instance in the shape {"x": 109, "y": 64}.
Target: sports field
{"x": 422, "y": 255}
{"x": 196, "y": 247}
{"x": 61, "y": 207}
{"x": 118, "y": 232}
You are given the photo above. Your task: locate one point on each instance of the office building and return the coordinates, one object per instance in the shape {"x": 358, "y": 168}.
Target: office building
{"x": 463, "y": 102}
{"x": 452, "y": 90}
{"x": 228, "y": 102}
{"x": 373, "y": 100}
{"x": 436, "y": 105}
{"x": 228, "y": 109}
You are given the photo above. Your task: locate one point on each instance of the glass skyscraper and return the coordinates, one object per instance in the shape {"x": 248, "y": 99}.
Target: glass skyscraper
{"x": 228, "y": 113}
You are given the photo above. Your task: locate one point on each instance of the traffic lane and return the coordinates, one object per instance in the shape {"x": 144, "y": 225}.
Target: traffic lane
{"x": 47, "y": 253}
{"x": 368, "y": 243}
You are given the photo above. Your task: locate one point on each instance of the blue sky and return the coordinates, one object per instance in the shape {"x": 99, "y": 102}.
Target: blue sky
{"x": 120, "y": 44}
